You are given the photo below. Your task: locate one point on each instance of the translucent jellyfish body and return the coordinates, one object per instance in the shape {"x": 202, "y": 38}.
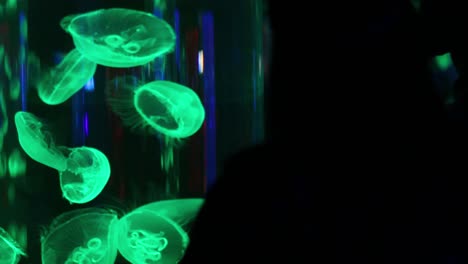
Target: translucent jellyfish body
{"x": 37, "y": 141}
{"x": 120, "y": 37}
{"x": 16, "y": 163}
{"x": 10, "y": 251}
{"x": 87, "y": 173}
{"x": 157, "y": 232}
{"x": 67, "y": 78}
{"x": 83, "y": 236}
{"x": 158, "y": 107}
{"x": 169, "y": 108}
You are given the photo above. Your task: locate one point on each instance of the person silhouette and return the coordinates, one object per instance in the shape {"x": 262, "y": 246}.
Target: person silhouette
{"x": 358, "y": 168}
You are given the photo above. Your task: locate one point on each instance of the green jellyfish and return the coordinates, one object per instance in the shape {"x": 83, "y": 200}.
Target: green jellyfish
{"x": 16, "y": 164}
{"x": 37, "y": 141}
{"x": 67, "y": 78}
{"x": 157, "y": 232}
{"x": 82, "y": 236}
{"x": 170, "y": 109}
{"x": 15, "y": 88}
{"x": 6, "y": 67}
{"x": 119, "y": 37}
{"x": 87, "y": 173}
{"x": 10, "y": 251}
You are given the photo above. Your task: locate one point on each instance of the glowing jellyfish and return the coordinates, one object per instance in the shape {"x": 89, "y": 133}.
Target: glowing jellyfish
{"x": 16, "y": 164}
{"x": 87, "y": 173}
{"x": 37, "y": 141}
{"x": 119, "y": 37}
{"x": 157, "y": 232}
{"x": 7, "y": 67}
{"x": 67, "y": 78}
{"x": 83, "y": 236}
{"x": 10, "y": 251}
{"x": 165, "y": 107}
{"x": 15, "y": 88}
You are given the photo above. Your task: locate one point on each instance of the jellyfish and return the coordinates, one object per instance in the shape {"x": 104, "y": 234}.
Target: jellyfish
{"x": 16, "y": 163}
{"x": 87, "y": 173}
{"x": 181, "y": 211}
{"x": 6, "y": 67}
{"x": 167, "y": 108}
{"x": 82, "y": 236}
{"x": 67, "y": 78}
{"x": 15, "y": 88}
{"x": 10, "y": 251}
{"x": 65, "y": 21}
{"x": 157, "y": 232}
{"x": 37, "y": 141}
{"x": 119, "y": 37}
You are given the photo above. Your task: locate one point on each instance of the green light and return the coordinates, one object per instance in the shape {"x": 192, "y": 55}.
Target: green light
{"x": 444, "y": 61}
{"x": 16, "y": 164}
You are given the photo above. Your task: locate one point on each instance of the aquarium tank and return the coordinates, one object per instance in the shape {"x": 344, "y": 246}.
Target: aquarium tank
{"x": 116, "y": 117}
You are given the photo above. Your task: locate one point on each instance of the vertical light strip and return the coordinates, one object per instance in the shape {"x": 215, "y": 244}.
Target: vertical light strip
{"x": 177, "y": 32}
{"x": 23, "y": 60}
{"x": 209, "y": 97}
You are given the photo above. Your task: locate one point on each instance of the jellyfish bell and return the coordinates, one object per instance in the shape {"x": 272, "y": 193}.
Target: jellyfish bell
{"x": 119, "y": 37}
{"x": 65, "y": 21}
{"x": 145, "y": 237}
{"x": 155, "y": 233}
{"x": 160, "y": 107}
{"x": 181, "y": 211}
{"x": 10, "y": 251}
{"x": 172, "y": 109}
{"x": 168, "y": 108}
{"x": 67, "y": 78}
{"x": 87, "y": 173}
{"x": 81, "y": 236}
{"x": 36, "y": 140}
